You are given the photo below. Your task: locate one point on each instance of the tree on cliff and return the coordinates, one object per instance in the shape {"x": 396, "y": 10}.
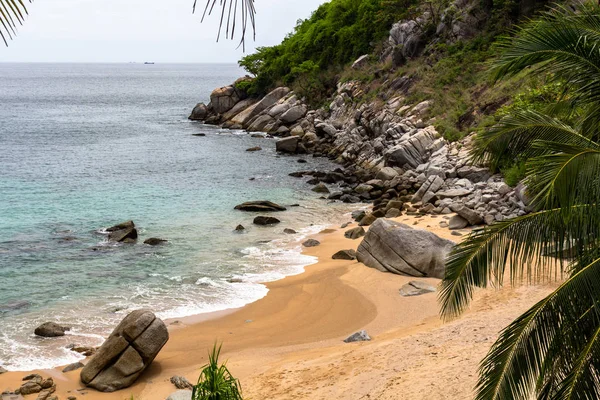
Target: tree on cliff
{"x": 13, "y": 12}
{"x": 552, "y": 351}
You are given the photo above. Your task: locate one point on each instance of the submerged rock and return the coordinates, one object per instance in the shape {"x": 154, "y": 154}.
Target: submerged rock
{"x": 390, "y": 246}
{"x": 124, "y": 232}
{"x": 51, "y": 329}
{"x": 155, "y": 241}
{"x": 252, "y": 149}
{"x": 361, "y": 336}
{"x": 289, "y": 231}
{"x": 240, "y": 228}
{"x": 262, "y": 220}
{"x": 260, "y": 206}
{"x": 127, "y": 352}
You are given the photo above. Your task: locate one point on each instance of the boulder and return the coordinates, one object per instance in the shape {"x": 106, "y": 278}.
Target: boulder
{"x": 121, "y": 226}
{"x": 457, "y": 222}
{"x": 287, "y": 145}
{"x": 368, "y": 220}
{"x": 289, "y": 231}
{"x": 253, "y": 111}
{"x": 128, "y": 235}
{"x": 467, "y": 213}
{"x": 126, "y": 353}
{"x": 199, "y": 113}
{"x": 262, "y": 220}
{"x": 223, "y": 99}
{"x": 51, "y": 329}
{"x": 355, "y": 233}
{"x": 293, "y": 114}
{"x": 181, "y": 395}
{"x": 240, "y": 228}
{"x": 311, "y": 243}
{"x": 451, "y": 193}
{"x": 321, "y": 188}
{"x": 386, "y": 174}
{"x": 416, "y": 288}
{"x": 390, "y": 246}
{"x": 345, "y": 255}
{"x": 260, "y": 206}
{"x": 413, "y": 151}
{"x": 73, "y": 367}
{"x": 361, "y": 336}
{"x": 155, "y": 241}
{"x": 181, "y": 382}
{"x": 3, "y": 371}
{"x": 431, "y": 185}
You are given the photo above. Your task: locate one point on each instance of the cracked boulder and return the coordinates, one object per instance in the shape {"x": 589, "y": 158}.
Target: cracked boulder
{"x": 390, "y": 246}
{"x": 127, "y": 352}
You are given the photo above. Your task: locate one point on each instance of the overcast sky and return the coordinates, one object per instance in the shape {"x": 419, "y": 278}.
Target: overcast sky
{"x": 141, "y": 30}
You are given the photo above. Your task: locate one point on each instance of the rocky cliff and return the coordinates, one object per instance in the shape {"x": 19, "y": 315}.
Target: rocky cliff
{"x": 389, "y": 148}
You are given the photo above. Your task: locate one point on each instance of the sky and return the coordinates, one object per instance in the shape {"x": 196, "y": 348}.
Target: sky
{"x": 142, "y": 30}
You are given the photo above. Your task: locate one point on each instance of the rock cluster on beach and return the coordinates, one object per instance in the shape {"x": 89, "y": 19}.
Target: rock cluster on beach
{"x": 390, "y": 156}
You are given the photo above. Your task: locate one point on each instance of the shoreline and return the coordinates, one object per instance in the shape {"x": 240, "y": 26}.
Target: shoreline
{"x": 303, "y": 318}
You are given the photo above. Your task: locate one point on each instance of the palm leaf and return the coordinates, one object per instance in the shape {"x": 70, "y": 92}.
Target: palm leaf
{"x": 12, "y": 14}
{"x": 229, "y": 17}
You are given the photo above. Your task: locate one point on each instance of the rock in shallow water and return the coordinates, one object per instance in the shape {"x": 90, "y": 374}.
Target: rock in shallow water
{"x": 155, "y": 241}
{"x": 127, "y": 352}
{"x": 361, "y": 336}
{"x": 51, "y": 329}
{"x": 262, "y": 220}
{"x": 259, "y": 206}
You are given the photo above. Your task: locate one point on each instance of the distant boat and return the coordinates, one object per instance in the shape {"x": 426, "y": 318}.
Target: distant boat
{"x": 148, "y": 63}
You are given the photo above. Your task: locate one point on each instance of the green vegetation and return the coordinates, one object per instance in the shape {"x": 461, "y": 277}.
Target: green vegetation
{"x": 552, "y": 351}
{"x": 12, "y": 14}
{"x": 215, "y": 381}
{"x": 335, "y": 34}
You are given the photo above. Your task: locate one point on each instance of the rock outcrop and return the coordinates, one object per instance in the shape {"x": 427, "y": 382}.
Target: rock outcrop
{"x": 390, "y": 246}
{"x": 51, "y": 329}
{"x": 124, "y": 233}
{"x": 126, "y": 353}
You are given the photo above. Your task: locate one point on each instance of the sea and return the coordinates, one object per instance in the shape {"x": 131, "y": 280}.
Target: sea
{"x": 87, "y": 146}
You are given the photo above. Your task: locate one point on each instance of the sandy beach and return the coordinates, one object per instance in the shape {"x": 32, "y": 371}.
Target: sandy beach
{"x": 289, "y": 345}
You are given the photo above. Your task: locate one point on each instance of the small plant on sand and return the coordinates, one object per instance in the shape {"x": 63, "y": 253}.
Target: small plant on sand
{"x": 215, "y": 381}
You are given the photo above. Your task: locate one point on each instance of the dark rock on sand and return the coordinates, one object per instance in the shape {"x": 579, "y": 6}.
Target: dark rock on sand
{"x": 416, "y": 288}
{"x": 345, "y": 255}
{"x": 127, "y": 352}
{"x": 262, "y": 220}
{"x": 361, "y": 336}
{"x": 155, "y": 241}
{"x": 311, "y": 243}
{"x": 368, "y": 220}
{"x": 289, "y": 231}
{"x": 51, "y": 329}
{"x": 259, "y": 206}
{"x": 355, "y": 233}
{"x": 390, "y": 246}
{"x": 181, "y": 382}
{"x": 73, "y": 367}
{"x": 257, "y": 148}
{"x": 457, "y": 222}
{"x": 240, "y": 228}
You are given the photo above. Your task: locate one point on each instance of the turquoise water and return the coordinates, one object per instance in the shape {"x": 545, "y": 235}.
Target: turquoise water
{"x": 83, "y": 147}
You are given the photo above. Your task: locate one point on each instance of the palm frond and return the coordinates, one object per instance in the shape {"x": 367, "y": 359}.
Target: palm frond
{"x": 513, "y": 136}
{"x": 229, "y": 17}
{"x": 512, "y": 367}
{"x": 12, "y": 14}
{"x": 522, "y": 244}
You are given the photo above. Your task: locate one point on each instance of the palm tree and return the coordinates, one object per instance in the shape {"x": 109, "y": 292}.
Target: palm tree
{"x": 13, "y": 12}
{"x": 552, "y": 351}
